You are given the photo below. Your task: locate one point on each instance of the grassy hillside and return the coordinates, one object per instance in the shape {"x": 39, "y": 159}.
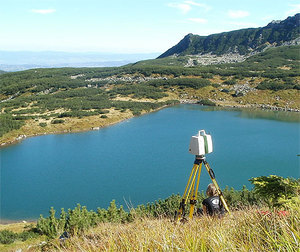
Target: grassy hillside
{"x": 246, "y": 230}
{"x": 42, "y": 101}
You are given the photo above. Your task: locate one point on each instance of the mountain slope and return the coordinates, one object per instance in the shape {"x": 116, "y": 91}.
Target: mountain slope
{"x": 44, "y": 101}
{"x": 242, "y": 41}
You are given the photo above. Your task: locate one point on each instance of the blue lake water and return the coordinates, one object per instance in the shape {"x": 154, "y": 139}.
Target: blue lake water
{"x": 143, "y": 159}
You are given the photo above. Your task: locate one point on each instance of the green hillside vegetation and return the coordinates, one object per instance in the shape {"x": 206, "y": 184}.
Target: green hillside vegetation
{"x": 266, "y": 64}
{"x": 33, "y": 100}
{"x": 264, "y": 218}
{"x": 8, "y": 123}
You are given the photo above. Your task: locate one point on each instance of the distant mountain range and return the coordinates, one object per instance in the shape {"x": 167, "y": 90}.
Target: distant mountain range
{"x": 243, "y": 42}
{"x": 22, "y": 60}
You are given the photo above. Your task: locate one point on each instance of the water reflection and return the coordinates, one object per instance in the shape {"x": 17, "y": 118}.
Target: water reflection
{"x": 251, "y": 113}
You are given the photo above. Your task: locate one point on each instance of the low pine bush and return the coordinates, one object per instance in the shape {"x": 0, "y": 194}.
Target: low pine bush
{"x": 7, "y": 237}
{"x": 206, "y": 102}
{"x": 277, "y": 191}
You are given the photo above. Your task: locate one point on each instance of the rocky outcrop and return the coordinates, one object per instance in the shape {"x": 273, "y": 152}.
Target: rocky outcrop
{"x": 126, "y": 78}
{"x": 242, "y": 89}
{"x": 211, "y": 59}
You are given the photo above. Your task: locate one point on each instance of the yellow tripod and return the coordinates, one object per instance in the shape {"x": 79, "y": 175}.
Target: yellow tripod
{"x": 191, "y": 189}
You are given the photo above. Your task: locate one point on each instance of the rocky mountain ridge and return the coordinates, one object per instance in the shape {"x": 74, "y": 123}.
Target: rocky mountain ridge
{"x": 236, "y": 46}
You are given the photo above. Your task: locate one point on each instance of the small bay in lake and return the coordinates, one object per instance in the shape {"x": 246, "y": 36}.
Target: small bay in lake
{"x": 145, "y": 158}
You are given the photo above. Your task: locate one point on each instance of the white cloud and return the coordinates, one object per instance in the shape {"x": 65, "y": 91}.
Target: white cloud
{"x": 295, "y": 9}
{"x": 43, "y": 11}
{"x": 186, "y": 6}
{"x": 237, "y": 13}
{"x": 198, "y": 20}
{"x": 204, "y": 6}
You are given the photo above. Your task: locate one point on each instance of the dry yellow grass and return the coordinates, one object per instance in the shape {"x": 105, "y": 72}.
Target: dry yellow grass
{"x": 242, "y": 231}
{"x": 250, "y": 229}
{"x": 32, "y": 127}
{"x": 16, "y": 227}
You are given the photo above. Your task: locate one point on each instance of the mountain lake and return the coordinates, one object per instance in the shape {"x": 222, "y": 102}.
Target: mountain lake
{"x": 144, "y": 159}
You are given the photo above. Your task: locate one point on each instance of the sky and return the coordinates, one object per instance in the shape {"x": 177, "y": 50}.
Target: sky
{"x": 127, "y": 26}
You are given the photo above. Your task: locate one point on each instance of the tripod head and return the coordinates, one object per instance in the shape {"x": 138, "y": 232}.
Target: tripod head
{"x": 200, "y": 157}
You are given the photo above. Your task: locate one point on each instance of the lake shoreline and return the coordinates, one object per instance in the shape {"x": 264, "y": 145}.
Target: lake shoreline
{"x": 266, "y": 107}
{"x": 249, "y": 106}
{"x": 22, "y": 137}
{"x": 7, "y": 222}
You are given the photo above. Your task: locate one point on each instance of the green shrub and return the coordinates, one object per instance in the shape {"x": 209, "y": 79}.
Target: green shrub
{"x": 9, "y": 123}
{"x": 225, "y": 90}
{"x": 215, "y": 85}
{"x": 272, "y": 85}
{"x": 206, "y": 102}
{"x": 7, "y": 237}
{"x": 103, "y": 111}
{"x": 139, "y": 91}
{"x": 181, "y": 82}
{"x": 57, "y": 121}
{"x": 103, "y": 116}
{"x": 136, "y": 112}
{"x": 51, "y": 226}
{"x": 25, "y": 235}
{"x": 207, "y": 75}
{"x": 79, "y": 220}
{"x": 230, "y": 82}
{"x": 43, "y": 124}
{"x": 276, "y": 85}
{"x": 277, "y": 191}
{"x": 242, "y": 198}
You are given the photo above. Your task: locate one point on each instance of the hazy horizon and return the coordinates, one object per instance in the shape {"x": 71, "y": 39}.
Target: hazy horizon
{"x": 23, "y": 60}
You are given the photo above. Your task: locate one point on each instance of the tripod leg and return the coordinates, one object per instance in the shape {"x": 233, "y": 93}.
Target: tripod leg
{"x": 193, "y": 200}
{"x": 191, "y": 181}
{"x": 212, "y": 176}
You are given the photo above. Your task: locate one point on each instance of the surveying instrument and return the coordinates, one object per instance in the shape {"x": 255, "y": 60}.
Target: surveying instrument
{"x": 200, "y": 145}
